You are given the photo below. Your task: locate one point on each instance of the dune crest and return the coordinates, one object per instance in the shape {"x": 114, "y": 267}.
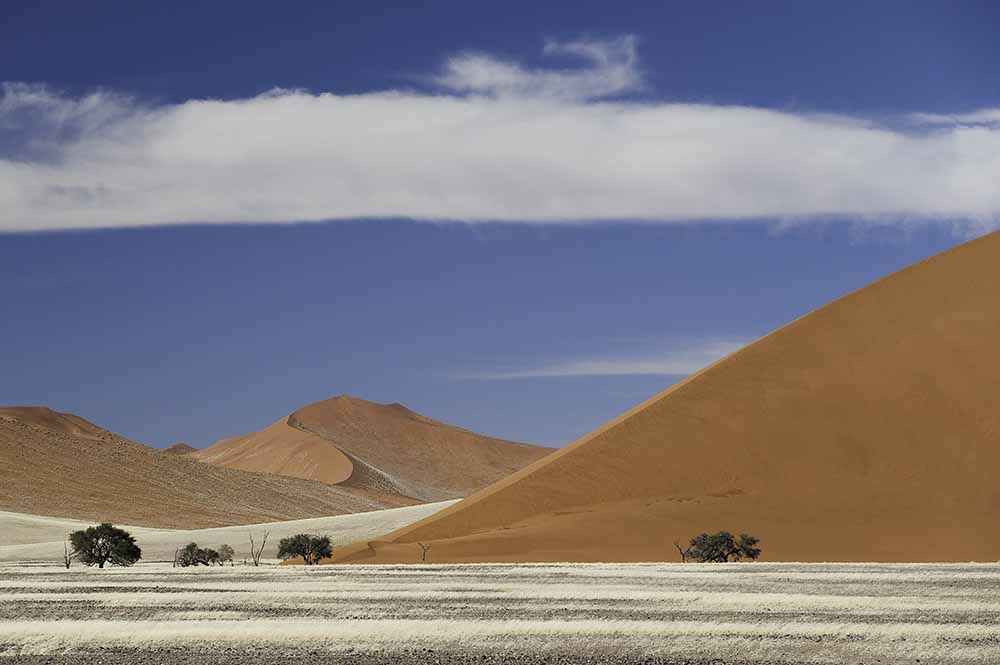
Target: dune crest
{"x": 867, "y": 430}
{"x": 62, "y": 465}
{"x": 375, "y": 447}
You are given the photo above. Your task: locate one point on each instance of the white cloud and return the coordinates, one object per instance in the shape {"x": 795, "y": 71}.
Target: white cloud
{"x": 501, "y": 143}
{"x": 613, "y": 70}
{"x": 681, "y": 360}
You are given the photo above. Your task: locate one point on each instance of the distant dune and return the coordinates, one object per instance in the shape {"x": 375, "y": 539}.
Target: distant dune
{"x": 179, "y": 449}
{"x": 382, "y": 448}
{"x": 868, "y": 430}
{"x": 64, "y": 423}
{"x": 61, "y": 465}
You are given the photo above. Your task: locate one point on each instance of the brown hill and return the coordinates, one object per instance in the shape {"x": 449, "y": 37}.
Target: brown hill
{"x": 179, "y": 449}
{"x": 868, "y": 430}
{"x": 375, "y": 447}
{"x": 45, "y": 417}
{"x": 61, "y": 465}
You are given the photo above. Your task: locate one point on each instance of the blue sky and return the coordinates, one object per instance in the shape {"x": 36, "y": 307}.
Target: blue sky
{"x": 541, "y": 215}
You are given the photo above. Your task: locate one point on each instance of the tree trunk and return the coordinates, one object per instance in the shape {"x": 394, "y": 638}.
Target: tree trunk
{"x": 100, "y": 564}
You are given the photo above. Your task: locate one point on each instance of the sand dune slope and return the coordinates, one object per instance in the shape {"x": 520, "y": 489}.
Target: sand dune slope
{"x": 96, "y": 475}
{"x": 65, "y": 423}
{"x": 868, "y": 430}
{"x": 283, "y": 450}
{"x": 374, "y": 447}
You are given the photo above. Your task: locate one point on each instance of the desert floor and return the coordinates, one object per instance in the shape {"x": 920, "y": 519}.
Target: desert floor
{"x": 477, "y": 613}
{"x": 25, "y": 537}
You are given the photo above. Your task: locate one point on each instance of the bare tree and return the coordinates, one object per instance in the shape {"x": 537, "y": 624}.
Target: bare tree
{"x": 255, "y": 553}
{"x": 423, "y": 550}
{"x": 67, "y": 558}
{"x": 683, "y": 552}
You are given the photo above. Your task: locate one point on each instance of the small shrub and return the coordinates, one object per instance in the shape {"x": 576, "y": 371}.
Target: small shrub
{"x": 226, "y": 554}
{"x": 721, "y": 547}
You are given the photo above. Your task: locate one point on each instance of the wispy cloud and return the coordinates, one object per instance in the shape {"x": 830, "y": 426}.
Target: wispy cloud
{"x": 681, "y": 360}
{"x": 612, "y": 68}
{"x": 497, "y": 142}
{"x": 989, "y": 118}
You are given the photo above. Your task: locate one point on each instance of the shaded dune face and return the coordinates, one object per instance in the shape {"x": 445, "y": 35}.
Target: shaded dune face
{"x": 283, "y": 450}
{"x": 868, "y": 430}
{"x": 99, "y": 475}
{"x": 381, "y": 448}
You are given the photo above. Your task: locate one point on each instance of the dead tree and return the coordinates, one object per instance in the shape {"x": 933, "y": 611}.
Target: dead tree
{"x": 67, "y": 557}
{"x": 423, "y": 551}
{"x": 683, "y": 552}
{"x": 256, "y": 553}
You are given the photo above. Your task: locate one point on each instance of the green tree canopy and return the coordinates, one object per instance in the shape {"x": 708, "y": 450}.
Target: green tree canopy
{"x": 722, "y": 547}
{"x": 104, "y": 543}
{"x": 311, "y": 548}
{"x": 192, "y": 555}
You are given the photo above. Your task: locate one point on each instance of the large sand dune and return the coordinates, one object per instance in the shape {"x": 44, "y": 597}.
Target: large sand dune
{"x": 868, "y": 430}
{"x": 384, "y": 448}
{"x": 61, "y": 465}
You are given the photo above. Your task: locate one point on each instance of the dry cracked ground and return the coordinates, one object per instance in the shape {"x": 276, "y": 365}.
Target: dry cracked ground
{"x": 551, "y": 613}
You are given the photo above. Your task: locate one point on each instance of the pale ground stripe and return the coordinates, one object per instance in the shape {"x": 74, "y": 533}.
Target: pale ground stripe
{"x": 795, "y": 573}
{"x": 402, "y": 630}
{"x": 918, "y": 640}
{"x": 25, "y": 537}
{"x": 749, "y": 602}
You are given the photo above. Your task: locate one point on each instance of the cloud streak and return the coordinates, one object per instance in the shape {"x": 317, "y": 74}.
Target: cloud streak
{"x": 612, "y": 68}
{"x": 496, "y": 142}
{"x": 680, "y": 361}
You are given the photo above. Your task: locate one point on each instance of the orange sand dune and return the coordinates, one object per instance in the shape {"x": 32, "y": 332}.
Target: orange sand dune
{"x": 383, "y": 448}
{"x": 61, "y": 465}
{"x": 283, "y": 450}
{"x": 868, "y": 430}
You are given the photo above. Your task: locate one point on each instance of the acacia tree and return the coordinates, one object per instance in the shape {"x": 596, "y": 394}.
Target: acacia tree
{"x": 104, "y": 543}
{"x": 721, "y": 547}
{"x": 311, "y": 548}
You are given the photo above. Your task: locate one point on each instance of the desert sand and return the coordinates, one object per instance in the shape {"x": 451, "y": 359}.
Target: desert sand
{"x": 37, "y": 538}
{"x": 61, "y": 465}
{"x": 383, "y": 448}
{"x": 867, "y": 430}
{"x": 506, "y": 614}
